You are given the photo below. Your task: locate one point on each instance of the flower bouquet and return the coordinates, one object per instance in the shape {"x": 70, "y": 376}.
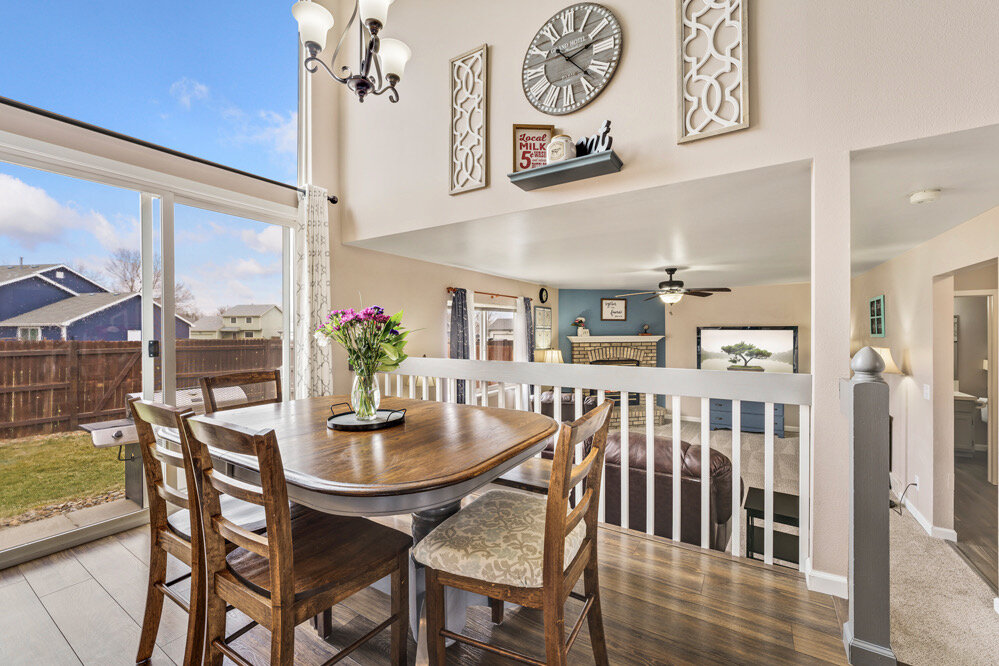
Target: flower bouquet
{"x": 374, "y": 342}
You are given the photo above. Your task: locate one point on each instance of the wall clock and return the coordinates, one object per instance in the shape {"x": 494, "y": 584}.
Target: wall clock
{"x": 543, "y": 295}
{"x": 572, "y": 58}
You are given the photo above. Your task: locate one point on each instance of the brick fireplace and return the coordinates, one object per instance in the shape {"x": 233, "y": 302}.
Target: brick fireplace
{"x": 626, "y": 349}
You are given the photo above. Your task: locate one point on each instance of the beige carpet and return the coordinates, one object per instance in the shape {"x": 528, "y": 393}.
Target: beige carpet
{"x": 941, "y": 611}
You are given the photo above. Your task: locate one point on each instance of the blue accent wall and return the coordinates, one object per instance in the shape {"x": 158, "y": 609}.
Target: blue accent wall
{"x": 27, "y": 295}
{"x": 71, "y": 280}
{"x": 574, "y": 303}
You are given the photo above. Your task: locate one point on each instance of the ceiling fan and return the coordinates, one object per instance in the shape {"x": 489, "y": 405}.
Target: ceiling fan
{"x": 672, "y": 290}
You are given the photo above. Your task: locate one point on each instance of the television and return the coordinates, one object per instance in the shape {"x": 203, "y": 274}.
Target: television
{"x": 748, "y": 348}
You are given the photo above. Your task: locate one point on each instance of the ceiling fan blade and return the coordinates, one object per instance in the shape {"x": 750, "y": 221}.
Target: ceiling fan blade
{"x": 651, "y": 297}
{"x": 699, "y": 294}
{"x": 637, "y": 293}
{"x": 716, "y": 289}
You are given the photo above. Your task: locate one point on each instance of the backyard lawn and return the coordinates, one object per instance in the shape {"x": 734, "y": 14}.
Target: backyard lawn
{"x": 53, "y": 469}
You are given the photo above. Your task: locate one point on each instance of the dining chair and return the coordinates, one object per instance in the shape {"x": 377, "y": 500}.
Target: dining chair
{"x": 175, "y": 527}
{"x": 527, "y": 549}
{"x": 301, "y": 566}
{"x": 240, "y": 389}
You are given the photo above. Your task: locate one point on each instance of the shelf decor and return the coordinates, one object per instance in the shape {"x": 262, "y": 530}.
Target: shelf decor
{"x": 469, "y": 121}
{"x": 713, "y": 68}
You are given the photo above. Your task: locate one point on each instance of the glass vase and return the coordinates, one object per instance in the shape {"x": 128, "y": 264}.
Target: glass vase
{"x": 365, "y": 397}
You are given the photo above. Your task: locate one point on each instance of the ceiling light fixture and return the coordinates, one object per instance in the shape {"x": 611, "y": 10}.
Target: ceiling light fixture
{"x": 382, "y": 61}
{"x": 924, "y": 196}
{"x": 671, "y": 297}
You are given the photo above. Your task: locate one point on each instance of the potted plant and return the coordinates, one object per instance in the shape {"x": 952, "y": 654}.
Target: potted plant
{"x": 374, "y": 342}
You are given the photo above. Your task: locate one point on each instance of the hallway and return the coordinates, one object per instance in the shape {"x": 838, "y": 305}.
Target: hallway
{"x": 975, "y": 516}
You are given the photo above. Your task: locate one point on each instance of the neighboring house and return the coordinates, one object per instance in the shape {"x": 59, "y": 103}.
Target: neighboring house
{"x": 240, "y": 322}
{"x": 54, "y": 302}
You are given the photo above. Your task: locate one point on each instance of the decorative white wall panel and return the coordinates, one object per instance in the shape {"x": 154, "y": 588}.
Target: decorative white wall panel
{"x": 713, "y": 68}
{"x": 469, "y": 129}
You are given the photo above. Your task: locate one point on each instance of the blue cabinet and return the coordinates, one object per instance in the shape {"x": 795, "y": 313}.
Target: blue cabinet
{"x": 752, "y": 416}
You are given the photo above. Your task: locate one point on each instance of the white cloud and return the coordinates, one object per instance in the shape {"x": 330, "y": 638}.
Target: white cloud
{"x": 30, "y": 216}
{"x": 275, "y": 131}
{"x": 187, "y": 90}
{"x": 266, "y": 241}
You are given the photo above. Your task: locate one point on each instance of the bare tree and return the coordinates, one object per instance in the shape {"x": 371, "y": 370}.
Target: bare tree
{"x": 124, "y": 267}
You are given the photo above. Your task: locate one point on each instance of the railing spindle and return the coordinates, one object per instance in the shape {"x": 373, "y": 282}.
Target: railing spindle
{"x": 705, "y": 472}
{"x": 398, "y": 385}
{"x": 577, "y": 399}
{"x": 737, "y": 477}
{"x": 426, "y": 388}
{"x": 502, "y": 395}
{"x": 677, "y": 453}
{"x": 412, "y": 387}
{"x": 804, "y": 483}
{"x": 625, "y": 462}
{"x": 650, "y": 467}
{"x": 440, "y": 389}
{"x": 557, "y": 403}
{"x": 768, "y": 483}
{"x": 601, "y": 397}
{"x": 537, "y": 399}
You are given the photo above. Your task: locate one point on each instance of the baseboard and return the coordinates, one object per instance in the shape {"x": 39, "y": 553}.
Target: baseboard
{"x": 944, "y": 533}
{"x": 826, "y": 583}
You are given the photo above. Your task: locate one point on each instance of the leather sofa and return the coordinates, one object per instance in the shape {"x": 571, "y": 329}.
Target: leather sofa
{"x": 720, "y": 494}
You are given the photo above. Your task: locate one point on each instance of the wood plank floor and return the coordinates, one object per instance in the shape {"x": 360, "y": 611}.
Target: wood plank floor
{"x": 975, "y": 517}
{"x": 663, "y": 604}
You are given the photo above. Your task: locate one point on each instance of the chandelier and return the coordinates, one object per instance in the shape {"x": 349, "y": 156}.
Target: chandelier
{"x": 382, "y": 61}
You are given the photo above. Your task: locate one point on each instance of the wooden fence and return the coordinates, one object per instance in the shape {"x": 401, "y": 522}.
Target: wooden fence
{"x": 55, "y": 386}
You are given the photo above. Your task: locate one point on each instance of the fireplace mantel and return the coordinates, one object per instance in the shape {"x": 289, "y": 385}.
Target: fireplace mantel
{"x": 614, "y": 338}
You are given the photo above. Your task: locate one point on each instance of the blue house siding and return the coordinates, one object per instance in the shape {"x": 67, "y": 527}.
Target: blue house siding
{"x": 71, "y": 280}
{"x": 114, "y": 323}
{"x": 26, "y": 295}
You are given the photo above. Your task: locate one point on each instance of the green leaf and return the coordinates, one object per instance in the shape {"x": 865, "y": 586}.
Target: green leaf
{"x": 390, "y": 351}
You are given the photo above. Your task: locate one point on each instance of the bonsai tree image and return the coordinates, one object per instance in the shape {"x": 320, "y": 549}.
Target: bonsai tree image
{"x": 745, "y": 352}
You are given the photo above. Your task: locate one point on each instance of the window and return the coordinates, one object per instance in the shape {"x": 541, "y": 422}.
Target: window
{"x": 248, "y": 334}
{"x": 249, "y": 320}
{"x": 232, "y": 320}
{"x": 30, "y": 334}
{"x": 493, "y": 331}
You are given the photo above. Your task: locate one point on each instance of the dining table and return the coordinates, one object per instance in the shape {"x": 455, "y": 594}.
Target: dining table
{"x": 438, "y": 455}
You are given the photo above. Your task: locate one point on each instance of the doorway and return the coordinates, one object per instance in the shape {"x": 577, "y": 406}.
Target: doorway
{"x": 975, "y": 495}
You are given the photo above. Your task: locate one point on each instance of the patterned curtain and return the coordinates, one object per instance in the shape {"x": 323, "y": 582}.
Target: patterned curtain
{"x": 523, "y": 342}
{"x": 313, "y": 363}
{"x": 461, "y": 333}
{"x": 529, "y": 316}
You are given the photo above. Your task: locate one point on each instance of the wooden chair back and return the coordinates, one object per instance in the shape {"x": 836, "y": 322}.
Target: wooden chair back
{"x": 204, "y": 432}
{"x": 241, "y": 389}
{"x": 559, "y": 520}
{"x": 155, "y": 455}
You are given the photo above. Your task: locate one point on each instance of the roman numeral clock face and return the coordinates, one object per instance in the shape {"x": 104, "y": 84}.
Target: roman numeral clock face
{"x": 572, "y": 58}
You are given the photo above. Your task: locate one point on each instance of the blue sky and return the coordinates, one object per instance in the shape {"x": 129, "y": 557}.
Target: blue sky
{"x": 214, "y": 79}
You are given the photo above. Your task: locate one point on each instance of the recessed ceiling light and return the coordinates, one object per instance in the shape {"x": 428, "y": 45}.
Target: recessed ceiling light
{"x": 924, "y": 196}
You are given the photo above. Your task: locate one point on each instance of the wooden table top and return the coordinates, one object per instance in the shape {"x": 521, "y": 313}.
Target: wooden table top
{"x": 439, "y": 445}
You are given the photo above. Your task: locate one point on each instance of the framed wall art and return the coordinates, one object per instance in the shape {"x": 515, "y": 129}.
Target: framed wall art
{"x": 469, "y": 121}
{"x": 876, "y": 316}
{"x": 530, "y": 146}
{"x": 542, "y": 327}
{"x": 613, "y": 309}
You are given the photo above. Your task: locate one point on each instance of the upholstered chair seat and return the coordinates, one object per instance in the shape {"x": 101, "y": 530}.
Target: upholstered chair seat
{"x": 498, "y": 538}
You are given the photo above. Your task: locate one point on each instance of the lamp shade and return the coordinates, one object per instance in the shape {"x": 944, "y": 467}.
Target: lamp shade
{"x": 374, "y": 10}
{"x": 551, "y": 356}
{"x": 394, "y": 56}
{"x": 314, "y": 22}
{"x": 891, "y": 368}
{"x": 671, "y": 297}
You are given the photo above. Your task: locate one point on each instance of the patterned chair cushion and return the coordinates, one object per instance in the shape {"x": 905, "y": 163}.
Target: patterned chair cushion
{"x": 498, "y": 538}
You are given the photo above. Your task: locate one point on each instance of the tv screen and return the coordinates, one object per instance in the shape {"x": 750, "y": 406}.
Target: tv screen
{"x": 748, "y": 348}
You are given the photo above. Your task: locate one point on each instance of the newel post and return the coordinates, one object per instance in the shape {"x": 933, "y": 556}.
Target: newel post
{"x": 864, "y": 400}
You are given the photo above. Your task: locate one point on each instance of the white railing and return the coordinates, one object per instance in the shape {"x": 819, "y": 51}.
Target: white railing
{"x": 506, "y": 384}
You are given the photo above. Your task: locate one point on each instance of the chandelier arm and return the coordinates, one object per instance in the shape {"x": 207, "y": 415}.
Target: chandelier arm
{"x": 377, "y": 79}
{"x": 312, "y": 64}
{"x": 391, "y": 90}
{"x": 345, "y": 70}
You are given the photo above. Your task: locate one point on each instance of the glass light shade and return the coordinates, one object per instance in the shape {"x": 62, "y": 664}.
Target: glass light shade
{"x": 374, "y": 10}
{"x": 670, "y": 298}
{"x": 314, "y": 22}
{"x": 394, "y": 56}
{"x": 551, "y": 356}
{"x": 891, "y": 368}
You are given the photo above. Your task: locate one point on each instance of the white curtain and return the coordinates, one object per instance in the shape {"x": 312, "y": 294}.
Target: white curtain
{"x": 313, "y": 362}
{"x": 520, "y": 326}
